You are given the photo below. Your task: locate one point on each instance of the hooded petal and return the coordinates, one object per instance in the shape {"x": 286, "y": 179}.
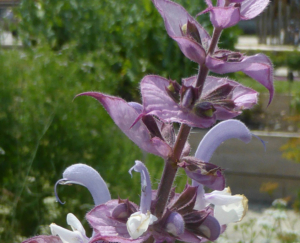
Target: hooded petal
{"x": 88, "y": 177}
{"x": 124, "y": 115}
{"x": 220, "y": 133}
{"x": 44, "y": 239}
{"x": 258, "y": 67}
{"x": 158, "y": 102}
{"x": 138, "y": 222}
{"x": 145, "y": 185}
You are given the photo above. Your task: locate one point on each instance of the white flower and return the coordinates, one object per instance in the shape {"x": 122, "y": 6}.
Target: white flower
{"x": 138, "y": 223}
{"x": 77, "y": 235}
{"x": 279, "y": 203}
{"x": 266, "y": 221}
{"x": 276, "y": 214}
{"x": 228, "y": 208}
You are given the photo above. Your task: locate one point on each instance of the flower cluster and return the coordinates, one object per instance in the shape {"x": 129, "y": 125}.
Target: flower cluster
{"x": 197, "y": 101}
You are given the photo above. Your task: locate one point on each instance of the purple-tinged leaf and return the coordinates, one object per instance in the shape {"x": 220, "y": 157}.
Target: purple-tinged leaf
{"x": 204, "y": 173}
{"x": 176, "y": 19}
{"x": 191, "y": 49}
{"x": 229, "y": 13}
{"x": 124, "y": 115}
{"x": 213, "y": 92}
{"x": 157, "y": 102}
{"x": 98, "y": 238}
{"x": 224, "y": 17}
{"x": 185, "y": 202}
{"x": 258, "y": 67}
{"x": 44, "y": 239}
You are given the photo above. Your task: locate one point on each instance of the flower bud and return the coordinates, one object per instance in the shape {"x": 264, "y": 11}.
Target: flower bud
{"x": 184, "y": 29}
{"x": 175, "y": 224}
{"x": 190, "y": 30}
{"x": 204, "y": 109}
{"x": 173, "y": 91}
{"x": 123, "y": 210}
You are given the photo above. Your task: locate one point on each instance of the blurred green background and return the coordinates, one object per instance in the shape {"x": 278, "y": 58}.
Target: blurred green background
{"x": 71, "y": 47}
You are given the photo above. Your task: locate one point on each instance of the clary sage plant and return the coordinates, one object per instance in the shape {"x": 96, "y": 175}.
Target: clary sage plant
{"x": 198, "y": 101}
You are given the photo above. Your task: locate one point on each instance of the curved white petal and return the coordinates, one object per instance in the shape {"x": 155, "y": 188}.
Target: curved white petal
{"x": 232, "y": 210}
{"x": 138, "y": 223}
{"x": 75, "y": 223}
{"x": 77, "y": 235}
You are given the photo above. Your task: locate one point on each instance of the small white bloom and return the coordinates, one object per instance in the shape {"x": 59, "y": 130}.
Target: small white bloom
{"x": 279, "y": 203}
{"x": 138, "y": 223}
{"x": 227, "y": 208}
{"x": 266, "y": 221}
{"x": 67, "y": 236}
{"x": 276, "y": 214}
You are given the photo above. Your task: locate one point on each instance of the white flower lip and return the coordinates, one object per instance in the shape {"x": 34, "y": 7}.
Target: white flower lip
{"x": 138, "y": 223}
{"x": 77, "y": 235}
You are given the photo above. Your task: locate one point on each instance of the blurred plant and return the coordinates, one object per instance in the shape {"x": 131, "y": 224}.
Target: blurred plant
{"x": 268, "y": 187}
{"x": 291, "y": 150}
